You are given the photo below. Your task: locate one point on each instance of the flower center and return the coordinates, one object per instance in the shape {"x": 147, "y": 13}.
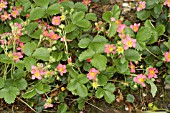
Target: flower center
{"x": 56, "y": 20}
{"x": 152, "y": 72}
{"x": 129, "y": 43}
{"x": 61, "y": 69}
{"x": 2, "y": 5}
{"x": 37, "y": 74}
{"x": 92, "y": 74}
{"x": 141, "y": 80}
{"x": 168, "y": 56}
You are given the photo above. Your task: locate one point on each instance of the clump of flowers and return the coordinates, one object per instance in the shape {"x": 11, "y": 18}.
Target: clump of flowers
{"x": 141, "y": 6}
{"x": 3, "y": 5}
{"x": 152, "y": 73}
{"x": 37, "y": 72}
{"x": 61, "y": 69}
{"x": 167, "y": 56}
{"x": 135, "y": 27}
{"x": 110, "y": 48}
{"x": 92, "y": 74}
{"x": 140, "y": 79}
{"x": 129, "y": 42}
{"x": 54, "y": 36}
{"x": 56, "y": 20}
{"x": 167, "y": 2}
{"x": 5, "y": 16}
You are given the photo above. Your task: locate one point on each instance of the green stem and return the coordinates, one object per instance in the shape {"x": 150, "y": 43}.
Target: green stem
{"x": 151, "y": 53}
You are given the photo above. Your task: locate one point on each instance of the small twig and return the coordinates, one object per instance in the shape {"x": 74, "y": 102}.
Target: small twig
{"x": 95, "y": 107}
{"x": 151, "y": 53}
{"x": 26, "y": 104}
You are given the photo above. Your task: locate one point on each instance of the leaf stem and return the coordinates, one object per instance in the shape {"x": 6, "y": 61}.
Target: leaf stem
{"x": 151, "y": 53}
{"x": 95, "y": 107}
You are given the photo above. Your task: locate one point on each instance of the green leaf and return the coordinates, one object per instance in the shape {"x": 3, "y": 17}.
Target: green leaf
{"x": 121, "y": 67}
{"x": 107, "y": 15}
{"x": 132, "y": 55}
{"x": 81, "y": 101}
{"x": 5, "y": 59}
{"x": 67, "y": 4}
{"x": 150, "y": 4}
{"x": 29, "y": 94}
{"x": 42, "y": 3}
{"x": 149, "y": 24}
{"x": 36, "y": 13}
{"x": 1, "y": 82}
{"x": 158, "y": 9}
{"x": 83, "y": 23}
{"x": 112, "y": 29}
{"x": 130, "y": 98}
{"x": 99, "y": 61}
{"x": 17, "y": 74}
{"x": 160, "y": 29}
{"x": 29, "y": 48}
{"x": 91, "y": 16}
{"x": 25, "y": 38}
{"x": 143, "y": 34}
{"x": 72, "y": 85}
{"x": 99, "y": 38}
{"x": 80, "y": 7}
{"x": 99, "y": 93}
{"x": 69, "y": 28}
{"x": 167, "y": 79}
{"x": 62, "y": 108}
{"x": 36, "y": 34}
{"x": 42, "y": 54}
{"x": 21, "y": 84}
{"x": 102, "y": 79}
{"x": 84, "y": 42}
{"x": 97, "y": 47}
{"x": 153, "y": 88}
{"x": 109, "y": 87}
{"x": 54, "y": 9}
{"x": 77, "y": 16}
{"x": 28, "y": 61}
{"x": 143, "y": 15}
{"x": 31, "y": 27}
{"x": 82, "y": 78}
{"x": 154, "y": 38}
{"x": 109, "y": 97}
{"x": 86, "y": 54}
{"x": 82, "y": 90}
{"x": 116, "y": 11}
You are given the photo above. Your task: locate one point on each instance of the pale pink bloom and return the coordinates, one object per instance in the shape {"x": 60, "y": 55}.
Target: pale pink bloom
{"x": 3, "y": 4}
{"x": 45, "y": 33}
{"x": 129, "y": 42}
{"x": 132, "y": 67}
{"x": 21, "y": 46}
{"x": 167, "y": 56}
{"x": 140, "y": 79}
{"x": 141, "y": 6}
{"x": 69, "y": 60}
{"x": 48, "y": 105}
{"x": 92, "y": 74}
{"x": 152, "y": 73}
{"x": 121, "y": 28}
{"x": 5, "y": 16}
{"x": 54, "y": 36}
{"x": 86, "y": 2}
{"x": 56, "y": 20}
{"x": 37, "y": 72}
{"x": 17, "y": 56}
{"x": 61, "y": 69}
{"x": 110, "y": 48}
{"x": 65, "y": 39}
{"x": 15, "y": 13}
{"x": 112, "y": 19}
{"x": 17, "y": 8}
{"x": 135, "y": 27}
{"x": 122, "y": 35}
{"x": 167, "y": 2}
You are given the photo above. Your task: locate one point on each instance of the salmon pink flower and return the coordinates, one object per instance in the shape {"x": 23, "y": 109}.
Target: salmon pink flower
{"x": 5, "y": 16}
{"x": 86, "y": 2}
{"x": 118, "y": 22}
{"x": 53, "y": 36}
{"x": 61, "y": 69}
{"x": 45, "y": 33}
{"x": 152, "y": 73}
{"x": 56, "y": 20}
{"x": 15, "y": 13}
{"x": 89, "y": 59}
{"x": 110, "y": 48}
{"x": 135, "y": 27}
{"x": 17, "y": 56}
{"x": 140, "y": 79}
{"x": 3, "y": 4}
{"x": 132, "y": 67}
{"x": 37, "y": 72}
{"x": 167, "y": 56}
{"x": 167, "y": 2}
{"x": 92, "y": 74}
{"x": 141, "y": 6}
{"x": 129, "y": 42}
{"x": 121, "y": 28}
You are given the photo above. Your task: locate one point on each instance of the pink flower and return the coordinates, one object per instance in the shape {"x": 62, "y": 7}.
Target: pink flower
{"x": 167, "y": 56}
{"x": 17, "y": 56}
{"x": 48, "y": 105}
{"x": 92, "y": 74}
{"x": 152, "y": 73}
{"x": 112, "y": 19}
{"x": 135, "y": 27}
{"x": 86, "y": 2}
{"x": 53, "y": 36}
{"x": 121, "y": 28}
{"x": 56, "y": 20}
{"x": 118, "y": 22}
{"x": 132, "y": 67}
{"x": 37, "y": 72}
{"x": 61, "y": 69}
{"x": 3, "y": 4}
{"x": 141, "y": 6}
{"x": 5, "y": 16}
{"x": 15, "y": 13}
{"x": 21, "y": 46}
{"x": 167, "y": 2}
{"x": 45, "y": 33}
{"x": 129, "y": 42}
{"x": 110, "y": 48}
{"x": 140, "y": 79}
